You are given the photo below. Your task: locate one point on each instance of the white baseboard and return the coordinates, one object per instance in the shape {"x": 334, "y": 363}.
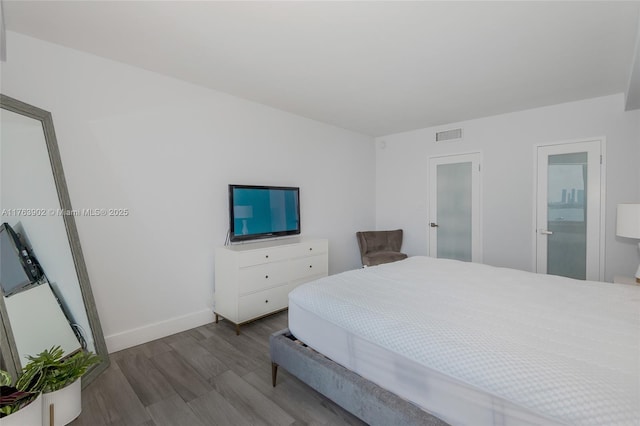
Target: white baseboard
{"x": 147, "y": 333}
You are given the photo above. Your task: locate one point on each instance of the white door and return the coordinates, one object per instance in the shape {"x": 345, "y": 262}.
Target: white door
{"x": 454, "y": 207}
{"x": 568, "y": 210}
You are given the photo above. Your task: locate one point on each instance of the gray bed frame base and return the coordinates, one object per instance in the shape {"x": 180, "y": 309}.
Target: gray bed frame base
{"x": 361, "y": 397}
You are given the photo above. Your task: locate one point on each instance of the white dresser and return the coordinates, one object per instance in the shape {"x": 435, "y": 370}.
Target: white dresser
{"x": 254, "y": 279}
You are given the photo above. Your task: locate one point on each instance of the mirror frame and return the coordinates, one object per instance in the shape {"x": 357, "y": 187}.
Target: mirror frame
{"x": 10, "y": 358}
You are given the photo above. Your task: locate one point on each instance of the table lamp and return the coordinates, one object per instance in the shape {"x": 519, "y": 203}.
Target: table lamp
{"x": 628, "y": 225}
{"x": 243, "y": 213}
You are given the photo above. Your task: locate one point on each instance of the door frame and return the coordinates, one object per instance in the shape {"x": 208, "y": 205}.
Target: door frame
{"x": 603, "y": 204}
{"x": 477, "y": 229}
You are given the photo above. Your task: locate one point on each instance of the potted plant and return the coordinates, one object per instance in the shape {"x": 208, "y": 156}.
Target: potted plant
{"x": 19, "y": 407}
{"x": 60, "y": 382}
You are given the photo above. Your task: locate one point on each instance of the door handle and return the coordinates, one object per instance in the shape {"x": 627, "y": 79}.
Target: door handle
{"x": 433, "y": 225}
{"x": 545, "y": 232}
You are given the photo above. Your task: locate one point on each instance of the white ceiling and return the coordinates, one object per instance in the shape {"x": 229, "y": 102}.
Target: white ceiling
{"x": 373, "y": 67}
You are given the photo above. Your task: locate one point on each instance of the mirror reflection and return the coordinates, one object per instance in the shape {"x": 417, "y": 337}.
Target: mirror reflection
{"x": 49, "y": 302}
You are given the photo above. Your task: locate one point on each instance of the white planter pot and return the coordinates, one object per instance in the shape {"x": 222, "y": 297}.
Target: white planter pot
{"x": 66, "y": 402}
{"x": 31, "y": 415}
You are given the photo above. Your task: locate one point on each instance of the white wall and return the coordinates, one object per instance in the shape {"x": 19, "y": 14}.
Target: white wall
{"x": 638, "y": 160}
{"x": 166, "y": 151}
{"x": 506, "y": 142}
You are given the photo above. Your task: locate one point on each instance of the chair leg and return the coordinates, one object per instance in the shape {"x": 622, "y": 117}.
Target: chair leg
{"x": 274, "y": 373}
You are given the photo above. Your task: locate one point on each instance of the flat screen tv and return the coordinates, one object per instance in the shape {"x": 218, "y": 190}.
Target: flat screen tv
{"x": 18, "y": 270}
{"x": 263, "y": 212}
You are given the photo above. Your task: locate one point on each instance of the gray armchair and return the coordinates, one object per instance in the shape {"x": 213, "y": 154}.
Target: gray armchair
{"x": 377, "y": 247}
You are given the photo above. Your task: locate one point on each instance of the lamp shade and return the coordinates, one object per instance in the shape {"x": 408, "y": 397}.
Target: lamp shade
{"x": 628, "y": 223}
{"x": 243, "y": 212}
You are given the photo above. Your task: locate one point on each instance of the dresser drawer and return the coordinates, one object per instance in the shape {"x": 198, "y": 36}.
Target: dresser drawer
{"x": 263, "y": 302}
{"x": 308, "y": 248}
{"x": 260, "y": 277}
{"x": 309, "y": 266}
{"x": 257, "y": 257}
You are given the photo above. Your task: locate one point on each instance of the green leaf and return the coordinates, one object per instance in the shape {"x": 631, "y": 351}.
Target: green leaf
{"x": 5, "y": 378}
{"x": 49, "y": 371}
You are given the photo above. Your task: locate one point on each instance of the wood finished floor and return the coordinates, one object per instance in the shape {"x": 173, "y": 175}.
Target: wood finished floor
{"x": 205, "y": 376}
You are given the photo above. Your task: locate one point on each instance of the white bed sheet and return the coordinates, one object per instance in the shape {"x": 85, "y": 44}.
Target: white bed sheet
{"x": 478, "y": 345}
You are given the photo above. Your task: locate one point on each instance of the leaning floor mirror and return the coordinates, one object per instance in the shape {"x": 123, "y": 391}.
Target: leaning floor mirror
{"x": 46, "y": 296}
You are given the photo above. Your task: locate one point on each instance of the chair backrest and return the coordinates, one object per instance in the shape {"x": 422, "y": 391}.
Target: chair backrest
{"x": 372, "y": 241}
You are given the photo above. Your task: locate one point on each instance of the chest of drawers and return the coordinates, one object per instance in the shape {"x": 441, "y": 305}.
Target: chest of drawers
{"x": 254, "y": 280}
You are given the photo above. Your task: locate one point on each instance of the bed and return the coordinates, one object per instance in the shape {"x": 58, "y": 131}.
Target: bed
{"x": 473, "y": 344}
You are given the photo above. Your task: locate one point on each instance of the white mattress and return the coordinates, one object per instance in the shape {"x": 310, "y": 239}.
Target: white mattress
{"x": 477, "y": 345}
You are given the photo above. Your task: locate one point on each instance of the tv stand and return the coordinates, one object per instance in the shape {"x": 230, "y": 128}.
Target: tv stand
{"x": 253, "y": 280}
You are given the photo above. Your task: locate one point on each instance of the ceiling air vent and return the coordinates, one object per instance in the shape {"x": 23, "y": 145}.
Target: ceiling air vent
{"x": 449, "y": 135}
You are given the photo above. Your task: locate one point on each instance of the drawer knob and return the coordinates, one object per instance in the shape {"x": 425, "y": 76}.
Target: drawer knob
{"x": 266, "y": 256}
{"x": 310, "y": 266}
{"x": 266, "y": 276}
{"x": 266, "y": 301}
{"x": 310, "y": 248}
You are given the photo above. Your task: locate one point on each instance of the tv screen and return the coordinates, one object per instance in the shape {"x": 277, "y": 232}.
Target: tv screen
{"x": 263, "y": 211}
{"x": 14, "y": 275}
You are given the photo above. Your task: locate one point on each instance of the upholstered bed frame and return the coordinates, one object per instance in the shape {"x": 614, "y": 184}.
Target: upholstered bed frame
{"x": 361, "y": 397}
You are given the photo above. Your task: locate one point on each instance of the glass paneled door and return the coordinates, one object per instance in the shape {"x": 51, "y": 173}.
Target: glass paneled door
{"x": 454, "y": 207}
{"x": 568, "y": 210}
